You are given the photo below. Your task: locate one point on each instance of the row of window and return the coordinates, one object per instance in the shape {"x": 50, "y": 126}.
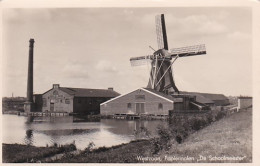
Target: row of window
{"x": 160, "y": 106}
{"x": 44, "y": 101}
{"x": 90, "y": 101}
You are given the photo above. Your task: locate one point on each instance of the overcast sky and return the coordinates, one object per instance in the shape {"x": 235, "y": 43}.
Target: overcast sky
{"x": 91, "y": 48}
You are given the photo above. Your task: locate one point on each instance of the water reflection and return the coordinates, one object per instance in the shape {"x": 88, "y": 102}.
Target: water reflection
{"x": 29, "y": 137}
{"x": 30, "y": 119}
{"x": 66, "y": 132}
{"x": 40, "y": 131}
{"x": 78, "y": 119}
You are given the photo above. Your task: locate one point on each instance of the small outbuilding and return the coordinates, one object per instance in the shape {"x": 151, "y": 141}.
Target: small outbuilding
{"x": 245, "y": 102}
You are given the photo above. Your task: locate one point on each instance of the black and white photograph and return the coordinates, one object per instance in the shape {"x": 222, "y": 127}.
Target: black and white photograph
{"x": 128, "y": 84}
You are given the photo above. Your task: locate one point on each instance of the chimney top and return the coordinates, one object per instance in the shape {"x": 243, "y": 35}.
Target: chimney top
{"x": 31, "y": 42}
{"x": 110, "y": 88}
{"x": 55, "y": 86}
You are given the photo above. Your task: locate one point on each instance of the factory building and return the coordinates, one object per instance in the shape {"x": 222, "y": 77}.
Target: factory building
{"x": 73, "y": 100}
{"x": 146, "y": 101}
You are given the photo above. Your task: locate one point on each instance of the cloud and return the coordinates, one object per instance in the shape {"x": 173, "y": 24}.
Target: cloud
{"x": 197, "y": 25}
{"x": 237, "y": 35}
{"x": 75, "y": 71}
{"x": 30, "y": 15}
{"x": 106, "y": 66}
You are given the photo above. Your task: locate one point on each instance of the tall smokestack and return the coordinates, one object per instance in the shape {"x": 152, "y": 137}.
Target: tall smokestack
{"x": 30, "y": 73}
{"x": 29, "y": 105}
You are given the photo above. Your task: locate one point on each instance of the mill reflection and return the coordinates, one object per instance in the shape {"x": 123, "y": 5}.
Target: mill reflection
{"x": 29, "y": 137}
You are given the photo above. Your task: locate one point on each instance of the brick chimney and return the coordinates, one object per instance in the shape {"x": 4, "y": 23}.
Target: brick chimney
{"x": 28, "y": 105}
{"x": 110, "y": 88}
{"x": 30, "y": 73}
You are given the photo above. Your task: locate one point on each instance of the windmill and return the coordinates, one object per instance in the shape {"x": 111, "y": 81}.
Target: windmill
{"x": 161, "y": 78}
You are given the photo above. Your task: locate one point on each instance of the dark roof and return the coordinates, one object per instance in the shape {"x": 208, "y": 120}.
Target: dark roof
{"x": 161, "y": 94}
{"x": 81, "y": 92}
{"x": 199, "y": 97}
{"x": 214, "y": 96}
{"x": 206, "y": 97}
{"x": 245, "y": 97}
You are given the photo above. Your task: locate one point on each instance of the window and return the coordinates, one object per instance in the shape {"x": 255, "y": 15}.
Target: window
{"x": 44, "y": 102}
{"x": 140, "y": 97}
{"x": 129, "y": 105}
{"x": 160, "y": 107}
{"x": 67, "y": 101}
{"x": 55, "y": 93}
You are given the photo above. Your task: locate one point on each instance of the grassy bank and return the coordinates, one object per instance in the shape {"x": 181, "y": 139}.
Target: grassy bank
{"x": 16, "y": 153}
{"x": 124, "y": 153}
{"x": 229, "y": 137}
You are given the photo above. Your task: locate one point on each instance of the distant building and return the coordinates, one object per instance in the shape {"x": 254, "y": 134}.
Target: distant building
{"x": 210, "y": 99}
{"x": 73, "y": 100}
{"x": 13, "y": 103}
{"x": 245, "y": 102}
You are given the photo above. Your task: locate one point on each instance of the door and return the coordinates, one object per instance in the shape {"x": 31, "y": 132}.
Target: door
{"x": 139, "y": 108}
{"x": 52, "y": 107}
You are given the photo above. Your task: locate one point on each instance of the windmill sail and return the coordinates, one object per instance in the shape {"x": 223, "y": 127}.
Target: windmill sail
{"x": 141, "y": 60}
{"x": 161, "y": 32}
{"x": 189, "y": 51}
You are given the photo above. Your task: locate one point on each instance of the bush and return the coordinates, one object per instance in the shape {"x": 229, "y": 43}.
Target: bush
{"x": 179, "y": 139}
{"x": 157, "y": 145}
{"x": 68, "y": 148}
{"x": 141, "y": 133}
{"x": 90, "y": 147}
{"x": 101, "y": 149}
{"x": 164, "y": 140}
{"x": 198, "y": 124}
{"x": 220, "y": 115}
{"x": 209, "y": 118}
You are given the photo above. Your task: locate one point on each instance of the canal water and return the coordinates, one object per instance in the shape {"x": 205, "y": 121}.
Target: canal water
{"x": 42, "y": 131}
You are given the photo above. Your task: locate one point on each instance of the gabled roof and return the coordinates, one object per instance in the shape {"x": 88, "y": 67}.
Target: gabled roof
{"x": 159, "y": 94}
{"x": 82, "y": 92}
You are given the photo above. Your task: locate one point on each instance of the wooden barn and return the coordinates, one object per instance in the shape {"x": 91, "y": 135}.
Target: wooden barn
{"x": 145, "y": 101}
{"x": 74, "y": 100}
